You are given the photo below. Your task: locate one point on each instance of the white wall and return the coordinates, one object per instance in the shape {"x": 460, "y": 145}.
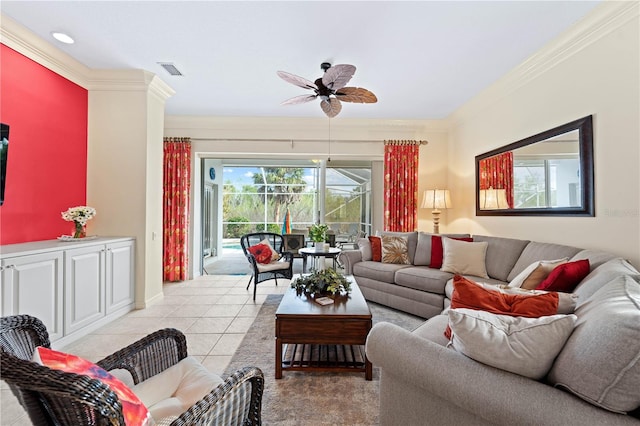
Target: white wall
{"x": 593, "y": 69}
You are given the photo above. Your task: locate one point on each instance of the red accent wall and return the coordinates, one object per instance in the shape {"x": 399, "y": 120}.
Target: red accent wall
{"x": 47, "y": 158}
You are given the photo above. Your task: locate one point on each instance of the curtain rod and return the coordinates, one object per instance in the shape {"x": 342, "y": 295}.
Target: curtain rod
{"x": 405, "y": 142}
{"x": 300, "y": 140}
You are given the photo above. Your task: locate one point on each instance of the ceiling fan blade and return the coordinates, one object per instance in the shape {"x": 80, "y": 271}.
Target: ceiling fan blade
{"x": 357, "y": 95}
{"x": 299, "y": 99}
{"x": 338, "y": 76}
{"x": 297, "y": 80}
{"x": 331, "y": 107}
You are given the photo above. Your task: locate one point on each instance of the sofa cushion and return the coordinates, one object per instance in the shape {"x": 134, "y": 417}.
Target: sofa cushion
{"x": 566, "y": 277}
{"x": 461, "y": 257}
{"x": 535, "y": 251}
{"x": 433, "y": 328}
{"x": 502, "y": 254}
{"x": 423, "y": 247}
{"x": 412, "y": 241}
{"x": 471, "y": 295}
{"x": 395, "y": 250}
{"x": 377, "y": 270}
{"x": 600, "y": 362}
{"x": 601, "y": 275}
{"x": 448, "y": 288}
{"x": 376, "y": 248}
{"x": 525, "y": 346}
{"x": 364, "y": 245}
{"x": 535, "y": 273}
{"x": 423, "y": 278}
{"x": 567, "y": 302}
{"x": 596, "y": 257}
{"x": 437, "y": 249}
{"x": 468, "y": 294}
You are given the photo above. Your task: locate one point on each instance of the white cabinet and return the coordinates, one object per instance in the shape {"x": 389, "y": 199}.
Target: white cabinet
{"x": 33, "y": 285}
{"x": 119, "y": 276}
{"x": 73, "y": 287}
{"x": 84, "y": 279}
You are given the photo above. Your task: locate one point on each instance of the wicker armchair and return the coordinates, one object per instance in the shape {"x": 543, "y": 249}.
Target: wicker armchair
{"x": 53, "y": 397}
{"x": 282, "y": 268}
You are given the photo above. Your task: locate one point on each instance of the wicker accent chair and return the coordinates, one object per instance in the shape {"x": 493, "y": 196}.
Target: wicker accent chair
{"x": 282, "y": 268}
{"x": 53, "y": 397}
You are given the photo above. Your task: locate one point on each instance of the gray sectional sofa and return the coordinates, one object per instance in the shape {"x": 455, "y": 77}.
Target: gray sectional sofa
{"x": 423, "y": 291}
{"x": 594, "y": 380}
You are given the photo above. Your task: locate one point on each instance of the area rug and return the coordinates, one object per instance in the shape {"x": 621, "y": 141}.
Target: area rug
{"x": 320, "y": 399}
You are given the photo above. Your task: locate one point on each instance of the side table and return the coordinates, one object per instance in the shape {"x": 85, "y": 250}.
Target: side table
{"x": 319, "y": 256}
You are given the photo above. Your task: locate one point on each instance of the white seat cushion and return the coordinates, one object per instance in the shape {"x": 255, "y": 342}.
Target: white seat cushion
{"x": 176, "y": 389}
{"x": 273, "y": 266}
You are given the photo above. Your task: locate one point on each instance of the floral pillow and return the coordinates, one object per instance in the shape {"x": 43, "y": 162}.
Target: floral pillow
{"x": 133, "y": 410}
{"x": 262, "y": 253}
{"x": 395, "y": 250}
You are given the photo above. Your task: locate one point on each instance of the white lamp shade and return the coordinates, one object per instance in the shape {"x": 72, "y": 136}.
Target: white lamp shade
{"x": 493, "y": 199}
{"x": 436, "y": 199}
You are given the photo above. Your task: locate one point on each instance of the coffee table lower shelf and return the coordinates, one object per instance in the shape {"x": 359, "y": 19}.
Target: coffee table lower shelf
{"x": 315, "y": 357}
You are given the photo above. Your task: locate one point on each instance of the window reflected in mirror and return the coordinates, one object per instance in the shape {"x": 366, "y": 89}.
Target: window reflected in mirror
{"x": 549, "y": 173}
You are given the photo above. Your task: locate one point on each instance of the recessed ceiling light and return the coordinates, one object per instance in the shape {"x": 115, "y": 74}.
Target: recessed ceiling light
{"x": 62, "y": 37}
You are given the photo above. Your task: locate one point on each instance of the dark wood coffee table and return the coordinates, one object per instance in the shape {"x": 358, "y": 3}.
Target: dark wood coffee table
{"x": 313, "y": 337}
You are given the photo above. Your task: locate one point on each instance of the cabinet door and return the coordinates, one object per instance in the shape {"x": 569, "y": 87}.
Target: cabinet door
{"x": 120, "y": 275}
{"x": 33, "y": 285}
{"x": 84, "y": 300}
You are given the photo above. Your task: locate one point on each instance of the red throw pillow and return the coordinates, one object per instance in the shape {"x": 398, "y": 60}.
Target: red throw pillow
{"x": 437, "y": 252}
{"x": 566, "y": 277}
{"x": 376, "y": 248}
{"x": 467, "y": 294}
{"x": 261, "y": 252}
{"x": 133, "y": 410}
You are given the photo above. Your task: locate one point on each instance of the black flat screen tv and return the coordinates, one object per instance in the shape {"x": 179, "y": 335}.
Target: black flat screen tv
{"x": 4, "y": 150}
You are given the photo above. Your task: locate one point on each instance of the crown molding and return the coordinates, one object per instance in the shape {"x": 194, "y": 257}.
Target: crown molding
{"x": 23, "y": 41}
{"x": 605, "y": 18}
{"x": 303, "y": 128}
{"x": 129, "y": 80}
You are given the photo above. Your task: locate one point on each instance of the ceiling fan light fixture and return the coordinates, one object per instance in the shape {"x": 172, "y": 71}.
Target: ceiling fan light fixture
{"x": 330, "y": 88}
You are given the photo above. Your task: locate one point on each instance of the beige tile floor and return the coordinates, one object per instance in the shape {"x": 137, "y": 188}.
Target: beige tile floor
{"x": 213, "y": 311}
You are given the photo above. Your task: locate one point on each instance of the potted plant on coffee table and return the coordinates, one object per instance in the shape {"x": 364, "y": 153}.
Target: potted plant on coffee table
{"x": 322, "y": 283}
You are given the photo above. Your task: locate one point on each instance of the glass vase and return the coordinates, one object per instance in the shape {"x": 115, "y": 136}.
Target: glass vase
{"x": 79, "y": 230}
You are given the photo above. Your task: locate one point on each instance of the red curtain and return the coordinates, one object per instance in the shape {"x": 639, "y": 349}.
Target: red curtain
{"x": 497, "y": 172}
{"x": 401, "y": 185}
{"x": 175, "y": 209}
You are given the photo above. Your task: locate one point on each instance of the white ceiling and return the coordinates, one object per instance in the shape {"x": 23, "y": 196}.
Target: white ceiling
{"x": 423, "y": 59}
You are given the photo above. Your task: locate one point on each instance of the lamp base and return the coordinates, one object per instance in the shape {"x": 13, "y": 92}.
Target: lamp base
{"x": 436, "y": 221}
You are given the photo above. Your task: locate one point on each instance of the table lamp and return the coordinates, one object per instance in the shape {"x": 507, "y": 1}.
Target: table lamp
{"x": 436, "y": 199}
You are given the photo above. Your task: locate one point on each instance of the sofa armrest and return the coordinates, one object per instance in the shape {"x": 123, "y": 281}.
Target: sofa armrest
{"x": 493, "y": 395}
{"x": 348, "y": 258}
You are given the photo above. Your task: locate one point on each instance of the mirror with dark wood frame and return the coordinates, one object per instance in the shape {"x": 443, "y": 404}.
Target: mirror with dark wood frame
{"x": 548, "y": 174}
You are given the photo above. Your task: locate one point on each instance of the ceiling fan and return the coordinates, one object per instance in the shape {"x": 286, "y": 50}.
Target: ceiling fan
{"x": 330, "y": 88}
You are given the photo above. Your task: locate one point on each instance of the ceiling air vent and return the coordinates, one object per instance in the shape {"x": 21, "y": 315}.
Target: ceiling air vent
{"x": 170, "y": 68}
